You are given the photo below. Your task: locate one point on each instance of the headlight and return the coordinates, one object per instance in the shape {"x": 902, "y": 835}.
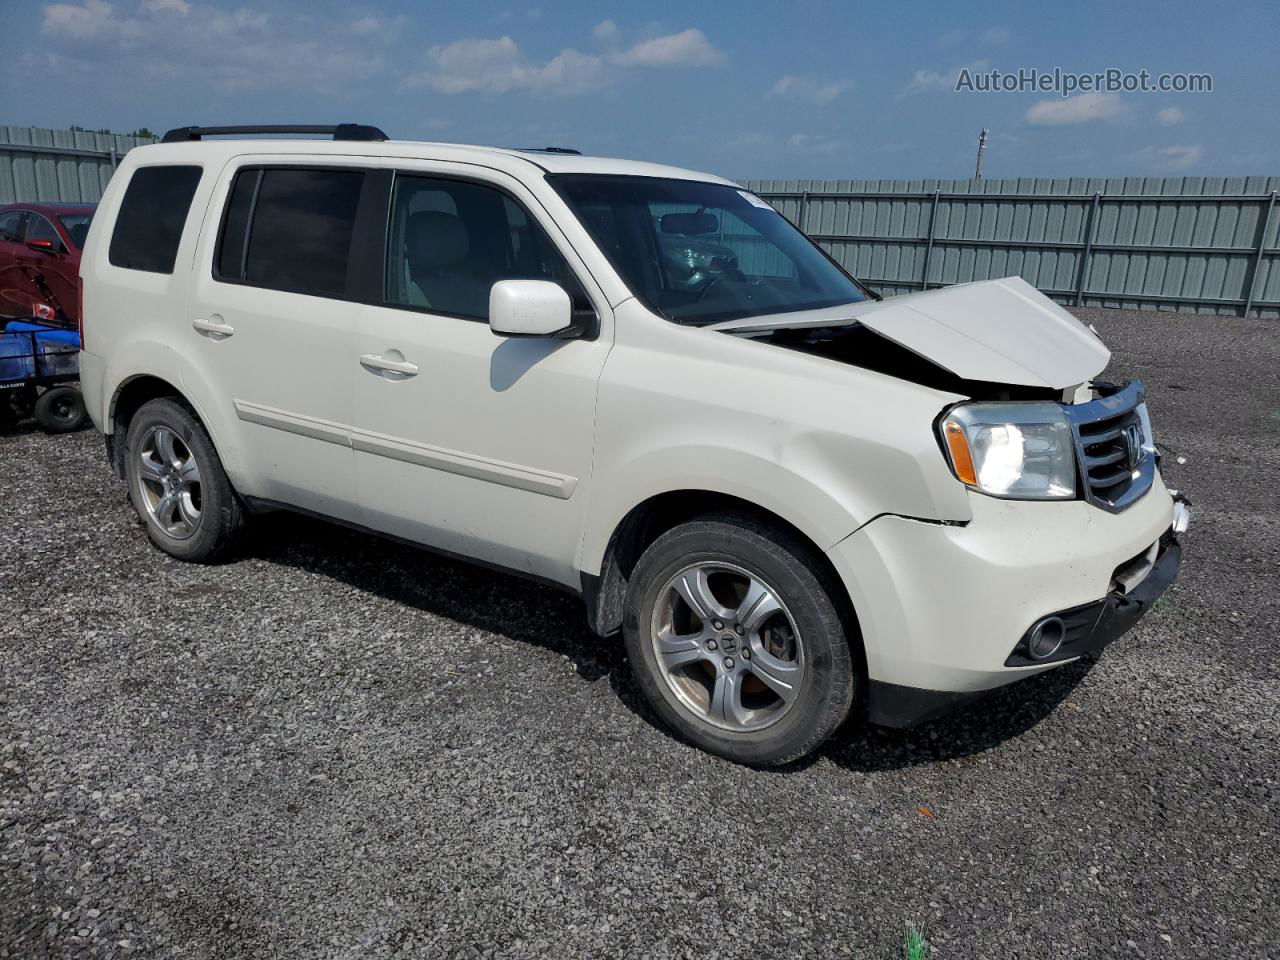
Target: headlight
{"x": 1023, "y": 451}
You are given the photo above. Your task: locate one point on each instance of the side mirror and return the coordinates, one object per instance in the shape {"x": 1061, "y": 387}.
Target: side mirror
{"x": 46, "y": 245}
{"x": 529, "y": 308}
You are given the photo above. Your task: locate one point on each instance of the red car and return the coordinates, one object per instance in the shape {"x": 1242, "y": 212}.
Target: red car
{"x": 40, "y": 246}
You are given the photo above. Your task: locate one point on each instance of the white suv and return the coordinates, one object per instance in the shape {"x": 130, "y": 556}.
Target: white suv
{"x": 639, "y": 383}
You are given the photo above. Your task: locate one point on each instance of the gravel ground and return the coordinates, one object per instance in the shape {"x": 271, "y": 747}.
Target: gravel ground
{"x": 340, "y": 747}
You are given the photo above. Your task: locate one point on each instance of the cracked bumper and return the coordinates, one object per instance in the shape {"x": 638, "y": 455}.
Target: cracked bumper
{"x": 941, "y": 607}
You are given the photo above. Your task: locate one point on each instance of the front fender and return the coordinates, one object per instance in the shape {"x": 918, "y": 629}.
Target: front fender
{"x": 808, "y": 486}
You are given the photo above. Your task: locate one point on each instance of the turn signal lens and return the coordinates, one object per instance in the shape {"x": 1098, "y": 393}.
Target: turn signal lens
{"x": 958, "y": 448}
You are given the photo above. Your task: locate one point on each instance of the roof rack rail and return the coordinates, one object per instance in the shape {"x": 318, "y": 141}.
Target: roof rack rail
{"x": 566, "y": 150}
{"x": 341, "y": 131}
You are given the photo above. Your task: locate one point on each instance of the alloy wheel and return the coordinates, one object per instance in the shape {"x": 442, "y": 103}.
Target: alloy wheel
{"x": 169, "y": 482}
{"x": 727, "y": 646}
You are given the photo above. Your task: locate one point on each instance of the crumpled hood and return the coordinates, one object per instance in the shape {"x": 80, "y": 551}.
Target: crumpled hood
{"x": 1001, "y": 331}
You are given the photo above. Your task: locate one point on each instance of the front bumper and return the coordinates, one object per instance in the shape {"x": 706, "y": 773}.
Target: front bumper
{"x": 1091, "y": 627}
{"x": 944, "y": 608}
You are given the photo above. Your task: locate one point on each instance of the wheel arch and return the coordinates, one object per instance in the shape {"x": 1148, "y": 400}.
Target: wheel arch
{"x": 604, "y": 592}
{"x": 129, "y": 396}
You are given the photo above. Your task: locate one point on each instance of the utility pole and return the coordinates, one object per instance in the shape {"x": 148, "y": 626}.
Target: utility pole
{"x": 982, "y": 146}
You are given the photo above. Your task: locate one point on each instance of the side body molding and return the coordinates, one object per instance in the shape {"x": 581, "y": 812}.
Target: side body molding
{"x": 425, "y": 455}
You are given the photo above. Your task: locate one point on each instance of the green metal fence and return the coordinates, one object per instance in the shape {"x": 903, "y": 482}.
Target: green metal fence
{"x": 51, "y": 166}
{"x": 1201, "y": 244}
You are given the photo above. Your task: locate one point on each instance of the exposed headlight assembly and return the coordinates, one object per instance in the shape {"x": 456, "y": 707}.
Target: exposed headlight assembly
{"x": 1020, "y": 451}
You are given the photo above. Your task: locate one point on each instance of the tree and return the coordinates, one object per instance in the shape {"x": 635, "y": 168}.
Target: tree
{"x": 142, "y": 132}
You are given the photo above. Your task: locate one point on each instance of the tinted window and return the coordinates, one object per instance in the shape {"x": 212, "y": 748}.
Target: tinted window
{"x": 9, "y": 225}
{"x": 149, "y": 224}
{"x": 299, "y": 239}
{"x": 451, "y": 241}
{"x": 231, "y": 245}
{"x": 77, "y": 224}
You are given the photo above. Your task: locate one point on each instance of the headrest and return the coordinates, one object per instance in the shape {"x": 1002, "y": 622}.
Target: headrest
{"x": 436, "y": 239}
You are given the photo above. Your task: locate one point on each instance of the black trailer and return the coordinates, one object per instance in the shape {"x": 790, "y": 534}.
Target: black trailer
{"x": 39, "y": 376}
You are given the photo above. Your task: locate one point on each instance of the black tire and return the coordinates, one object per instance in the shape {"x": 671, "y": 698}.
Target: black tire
{"x": 789, "y": 568}
{"x": 221, "y": 517}
{"x": 60, "y": 410}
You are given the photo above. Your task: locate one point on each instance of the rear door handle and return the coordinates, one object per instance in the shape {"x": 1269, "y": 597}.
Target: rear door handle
{"x": 214, "y": 327}
{"x": 374, "y": 362}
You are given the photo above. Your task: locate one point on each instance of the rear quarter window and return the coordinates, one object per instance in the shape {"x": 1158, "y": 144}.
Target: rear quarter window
{"x": 152, "y": 214}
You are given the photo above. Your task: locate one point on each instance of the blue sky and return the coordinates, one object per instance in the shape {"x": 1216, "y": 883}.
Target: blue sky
{"x": 807, "y": 89}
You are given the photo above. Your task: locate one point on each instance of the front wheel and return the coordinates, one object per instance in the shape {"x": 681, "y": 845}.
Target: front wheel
{"x": 736, "y": 642}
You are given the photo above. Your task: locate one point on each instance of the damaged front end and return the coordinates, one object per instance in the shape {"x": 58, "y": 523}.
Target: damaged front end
{"x": 993, "y": 340}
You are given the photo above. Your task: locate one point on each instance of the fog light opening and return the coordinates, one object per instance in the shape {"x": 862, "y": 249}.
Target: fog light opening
{"x": 1045, "y": 638}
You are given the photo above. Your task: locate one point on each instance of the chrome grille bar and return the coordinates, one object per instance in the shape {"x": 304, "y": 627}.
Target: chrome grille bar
{"x": 1115, "y": 467}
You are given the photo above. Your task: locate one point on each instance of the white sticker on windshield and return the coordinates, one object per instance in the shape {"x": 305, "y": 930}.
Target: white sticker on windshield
{"x": 755, "y": 201}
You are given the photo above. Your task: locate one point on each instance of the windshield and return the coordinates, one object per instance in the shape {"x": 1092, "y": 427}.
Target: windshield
{"x": 77, "y": 225}
{"x": 701, "y": 253}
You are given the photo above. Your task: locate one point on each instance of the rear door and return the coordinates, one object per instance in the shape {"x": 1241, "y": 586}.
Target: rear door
{"x": 271, "y": 338}
{"x": 467, "y": 441}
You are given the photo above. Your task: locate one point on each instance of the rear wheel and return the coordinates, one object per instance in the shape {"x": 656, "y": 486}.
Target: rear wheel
{"x": 736, "y": 642}
{"x": 60, "y": 410}
{"x": 177, "y": 484}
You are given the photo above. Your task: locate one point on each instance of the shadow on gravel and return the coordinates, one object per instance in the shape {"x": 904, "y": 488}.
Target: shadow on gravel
{"x": 19, "y": 429}
{"x": 471, "y": 594}
{"x": 536, "y": 613}
{"x": 969, "y": 730}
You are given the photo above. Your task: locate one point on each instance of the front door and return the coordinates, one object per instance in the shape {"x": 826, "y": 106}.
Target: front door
{"x": 52, "y": 274}
{"x": 15, "y": 294}
{"x": 466, "y": 441}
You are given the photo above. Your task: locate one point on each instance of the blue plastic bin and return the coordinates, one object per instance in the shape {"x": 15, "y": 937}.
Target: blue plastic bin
{"x": 16, "y": 361}
{"x": 58, "y": 351}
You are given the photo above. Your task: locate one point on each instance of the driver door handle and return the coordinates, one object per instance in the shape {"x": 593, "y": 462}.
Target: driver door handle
{"x": 214, "y": 327}
{"x": 375, "y": 361}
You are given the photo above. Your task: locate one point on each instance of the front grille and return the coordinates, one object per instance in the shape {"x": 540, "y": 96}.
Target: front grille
{"x": 1116, "y": 466}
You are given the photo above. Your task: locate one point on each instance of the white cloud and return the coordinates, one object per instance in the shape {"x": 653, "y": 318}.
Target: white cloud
{"x": 236, "y": 50}
{"x": 792, "y": 87}
{"x": 365, "y": 25}
{"x": 689, "y": 48}
{"x": 606, "y": 31}
{"x": 1170, "y": 116}
{"x": 813, "y": 143}
{"x": 1084, "y": 108}
{"x": 93, "y": 18}
{"x": 496, "y": 66}
{"x": 1175, "y": 158}
{"x": 926, "y": 81}
{"x": 996, "y": 36}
